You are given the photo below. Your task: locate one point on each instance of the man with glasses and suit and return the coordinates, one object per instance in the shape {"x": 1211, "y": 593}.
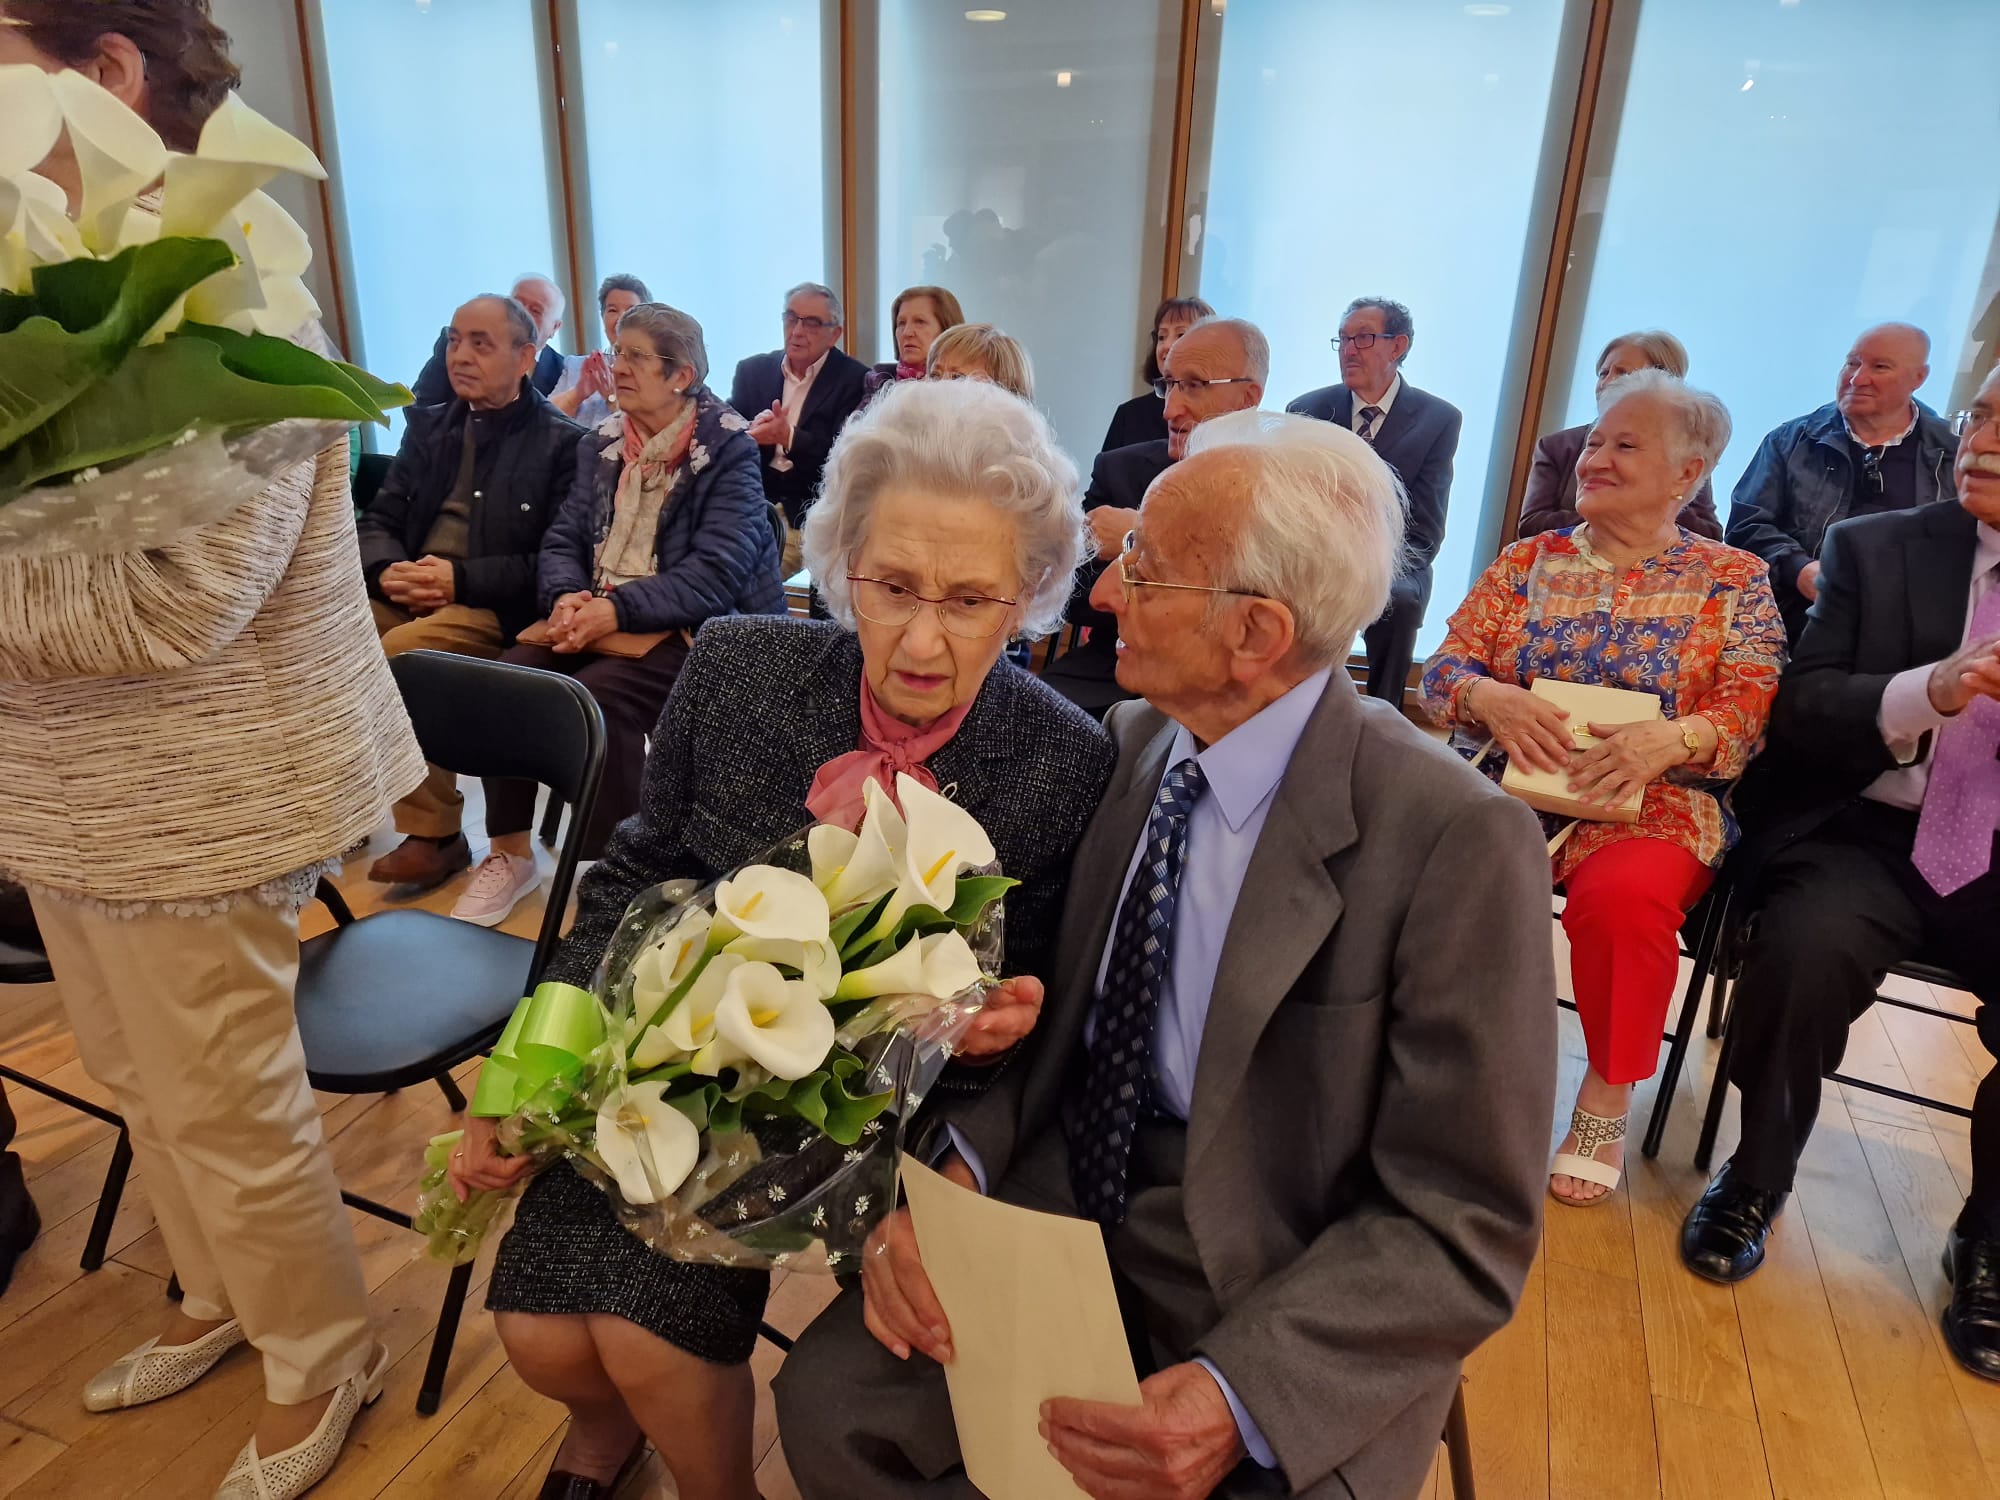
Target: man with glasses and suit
{"x": 1873, "y": 448}
{"x": 796, "y": 400}
{"x": 1417, "y": 433}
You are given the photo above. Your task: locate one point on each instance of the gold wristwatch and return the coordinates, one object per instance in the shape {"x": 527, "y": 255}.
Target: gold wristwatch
{"x": 1689, "y": 738}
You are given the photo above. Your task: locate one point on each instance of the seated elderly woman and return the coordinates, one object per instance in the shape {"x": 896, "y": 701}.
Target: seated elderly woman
{"x": 1550, "y": 503}
{"x": 587, "y": 391}
{"x": 979, "y": 351}
{"x": 948, "y": 522}
{"x": 665, "y": 526}
{"x": 1143, "y": 419}
{"x": 1627, "y": 600}
{"x": 918, "y": 315}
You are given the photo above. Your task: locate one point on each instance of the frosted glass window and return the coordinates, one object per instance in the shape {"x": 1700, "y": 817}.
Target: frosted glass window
{"x": 1364, "y": 149}
{"x": 1786, "y": 175}
{"x": 1015, "y": 162}
{"x": 702, "y": 123}
{"x": 436, "y": 114}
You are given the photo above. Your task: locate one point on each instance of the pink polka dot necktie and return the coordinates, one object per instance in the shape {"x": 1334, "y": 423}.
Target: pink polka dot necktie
{"x": 1962, "y": 802}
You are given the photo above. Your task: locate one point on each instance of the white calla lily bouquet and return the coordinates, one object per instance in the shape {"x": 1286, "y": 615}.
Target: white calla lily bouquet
{"x": 740, "y": 1074}
{"x": 160, "y": 361}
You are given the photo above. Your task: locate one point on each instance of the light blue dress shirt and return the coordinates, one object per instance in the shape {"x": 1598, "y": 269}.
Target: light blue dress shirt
{"x": 1242, "y": 770}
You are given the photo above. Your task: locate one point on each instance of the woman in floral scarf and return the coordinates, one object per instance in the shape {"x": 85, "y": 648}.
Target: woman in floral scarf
{"x": 666, "y": 526}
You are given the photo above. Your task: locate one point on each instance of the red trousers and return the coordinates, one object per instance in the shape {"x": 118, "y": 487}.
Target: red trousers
{"x": 1623, "y": 918}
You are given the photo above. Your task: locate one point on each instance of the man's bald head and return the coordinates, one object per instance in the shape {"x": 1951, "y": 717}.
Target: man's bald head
{"x": 1879, "y": 380}
{"x": 1219, "y": 365}
{"x": 544, "y": 301}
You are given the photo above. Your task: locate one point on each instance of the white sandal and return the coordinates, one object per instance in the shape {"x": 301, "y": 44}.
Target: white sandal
{"x": 1591, "y": 1131}
{"x": 155, "y": 1370}
{"x": 287, "y": 1475}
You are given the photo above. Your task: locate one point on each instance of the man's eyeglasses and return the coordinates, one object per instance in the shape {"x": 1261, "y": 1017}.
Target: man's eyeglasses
{"x": 1967, "y": 422}
{"x": 1130, "y": 580}
{"x": 1359, "y": 340}
{"x": 970, "y": 617}
{"x": 1163, "y": 387}
{"x": 810, "y": 325}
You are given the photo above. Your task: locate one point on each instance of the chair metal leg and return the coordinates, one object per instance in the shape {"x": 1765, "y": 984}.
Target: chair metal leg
{"x": 776, "y": 1339}
{"x": 1458, "y": 1447}
{"x": 1718, "y": 1094}
{"x": 107, "y": 1202}
{"x": 441, "y": 1341}
{"x": 328, "y": 895}
{"x": 174, "y": 1288}
{"x": 1670, "y": 1073}
{"x": 452, "y": 1096}
{"x": 551, "y": 820}
{"x": 1725, "y": 960}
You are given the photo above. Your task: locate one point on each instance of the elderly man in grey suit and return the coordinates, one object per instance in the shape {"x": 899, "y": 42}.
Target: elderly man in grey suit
{"x": 1298, "y": 1054}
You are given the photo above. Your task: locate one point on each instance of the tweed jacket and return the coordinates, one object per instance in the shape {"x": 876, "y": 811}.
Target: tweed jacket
{"x": 194, "y": 720}
{"x": 762, "y": 703}
{"x": 1367, "y": 1149}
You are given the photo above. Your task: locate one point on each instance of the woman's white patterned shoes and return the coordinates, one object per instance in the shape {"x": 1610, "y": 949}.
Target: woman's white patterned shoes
{"x": 154, "y": 1370}
{"x": 286, "y": 1475}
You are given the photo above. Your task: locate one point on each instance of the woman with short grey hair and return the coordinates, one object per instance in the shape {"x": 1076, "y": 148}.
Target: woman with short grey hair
{"x": 948, "y": 524}
{"x": 587, "y": 391}
{"x": 1626, "y": 599}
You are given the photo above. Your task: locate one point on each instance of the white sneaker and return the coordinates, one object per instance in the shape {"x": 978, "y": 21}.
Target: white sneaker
{"x": 287, "y": 1475}
{"x": 155, "y": 1370}
{"x": 498, "y": 886}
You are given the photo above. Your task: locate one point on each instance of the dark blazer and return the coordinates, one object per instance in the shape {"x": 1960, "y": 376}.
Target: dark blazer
{"x": 1143, "y": 419}
{"x": 1418, "y": 439}
{"x": 835, "y": 394}
{"x": 715, "y": 549}
{"x": 1368, "y": 1149}
{"x": 1892, "y": 592}
{"x": 434, "y": 385}
{"x": 762, "y": 703}
{"x": 520, "y": 476}
{"x": 1118, "y": 478}
{"x": 1550, "y": 503}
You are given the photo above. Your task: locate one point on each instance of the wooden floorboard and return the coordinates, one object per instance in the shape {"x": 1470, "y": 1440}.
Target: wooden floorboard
{"x": 1822, "y": 1377}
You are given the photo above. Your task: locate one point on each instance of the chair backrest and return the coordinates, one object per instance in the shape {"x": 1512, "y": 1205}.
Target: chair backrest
{"x": 494, "y": 719}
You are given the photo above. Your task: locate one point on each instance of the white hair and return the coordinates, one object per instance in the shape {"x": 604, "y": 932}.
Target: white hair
{"x": 953, "y": 440}
{"x": 558, "y": 303}
{"x": 1698, "y": 422}
{"x": 1324, "y": 531}
{"x": 1249, "y": 337}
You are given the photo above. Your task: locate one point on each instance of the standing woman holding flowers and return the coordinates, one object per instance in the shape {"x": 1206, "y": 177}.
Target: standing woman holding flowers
{"x": 949, "y": 524}
{"x": 189, "y": 735}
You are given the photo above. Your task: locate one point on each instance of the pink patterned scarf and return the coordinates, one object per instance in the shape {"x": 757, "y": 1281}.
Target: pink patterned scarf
{"x": 910, "y": 372}
{"x": 888, "y": 745}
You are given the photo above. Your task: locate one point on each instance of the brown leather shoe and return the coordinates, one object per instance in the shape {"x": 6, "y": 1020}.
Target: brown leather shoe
{"x": 422, "y": 863}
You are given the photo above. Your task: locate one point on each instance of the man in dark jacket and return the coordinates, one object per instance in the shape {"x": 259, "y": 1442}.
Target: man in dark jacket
{"x": 544, "y": 301}
{"x": 449, "y": 544}
{"x": 796, "y": 399}
{"x": 1870, "y": 840}
{"x": 1417, "y": 434}
{"x": 1873, "y": 448}
{"x": 1219, "y": 365}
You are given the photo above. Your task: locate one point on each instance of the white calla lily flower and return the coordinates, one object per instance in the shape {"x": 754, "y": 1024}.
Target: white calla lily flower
{"x": 690, "y": 1025}
{"x": 831, "y": 848}
{"x": 777, "y": 1023}
{"x": 818, "y": 964}
{"x": 949, "y": 968}
{"x": 902, "y": 973}
{"x": 944, "y": 841}
{"x": 878, "y": 854}
{"x": 662, "y": 965}
{"x": 118, "y": 156}
{"x": 238, "y": 153}
{"x": 35, "y": 228}
{"x": 766, "y": 902}
{"x": 34, "y": 118}
{"x": 649, "y": 1146}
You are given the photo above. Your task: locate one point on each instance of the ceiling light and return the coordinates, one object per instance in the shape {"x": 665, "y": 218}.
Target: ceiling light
{"x": 1748, "y": 84}
{"x": 1488, "y": 10}
{"x": 1063, "y": 79}
{"x": 986, "y": 15}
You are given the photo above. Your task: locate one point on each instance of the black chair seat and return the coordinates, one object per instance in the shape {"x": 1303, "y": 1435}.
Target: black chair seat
{"x": 19, "y": 965}
{"x": 454, "y": 987}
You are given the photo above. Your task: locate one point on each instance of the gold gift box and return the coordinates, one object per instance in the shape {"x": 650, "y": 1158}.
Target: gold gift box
{"x": 1587, "y": 704}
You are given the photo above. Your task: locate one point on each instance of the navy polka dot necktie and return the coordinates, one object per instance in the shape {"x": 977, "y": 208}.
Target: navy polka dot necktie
{"x": 1101, "y": 1118}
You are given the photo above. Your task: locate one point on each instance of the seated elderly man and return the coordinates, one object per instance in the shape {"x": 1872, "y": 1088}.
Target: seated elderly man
{"x": 545, "y": 303}
{"x": 450, "y": 541}
{"x": 1314, "y": 1149}
{"x": 1871, "y": 824}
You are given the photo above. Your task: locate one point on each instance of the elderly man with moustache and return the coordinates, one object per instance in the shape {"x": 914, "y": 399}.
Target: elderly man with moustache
{"x": 1873, "y": 448}
{"x": 545, "y": 303}
{"x": 1315, "y": 1151}
{"x": 1219, "y": 365}
{"x": 1871, "y": 824}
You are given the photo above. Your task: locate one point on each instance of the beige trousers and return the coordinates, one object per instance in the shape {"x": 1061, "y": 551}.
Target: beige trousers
{"x": 188, "y": 1021}
{"x": 436, "y": 810}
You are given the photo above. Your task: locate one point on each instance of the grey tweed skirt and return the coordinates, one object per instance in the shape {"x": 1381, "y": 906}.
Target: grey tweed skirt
{"x": 567, "y": 1254}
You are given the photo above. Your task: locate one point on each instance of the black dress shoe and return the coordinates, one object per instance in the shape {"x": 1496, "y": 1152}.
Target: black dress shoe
{"x": 563, "y": 1485}
{"x": 17, "y": 1236}
{"x": 1723, "y": 1236}
{"x": 1971, "y": 1319}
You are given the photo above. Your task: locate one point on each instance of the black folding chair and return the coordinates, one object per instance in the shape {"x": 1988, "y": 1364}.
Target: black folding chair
{"x": 403, "y": 996}
{"x": 23, "y": 964}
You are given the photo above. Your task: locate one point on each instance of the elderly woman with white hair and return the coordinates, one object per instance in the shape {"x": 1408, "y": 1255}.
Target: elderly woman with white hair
{"x": 1626, "y": 599}
{"x": 949, "y": 524}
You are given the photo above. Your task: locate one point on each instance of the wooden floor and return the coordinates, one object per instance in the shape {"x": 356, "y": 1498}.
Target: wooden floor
{"x": 1822, "y": 1377}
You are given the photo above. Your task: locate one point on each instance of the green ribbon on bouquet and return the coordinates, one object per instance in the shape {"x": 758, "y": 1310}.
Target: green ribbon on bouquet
{"x": 548, "y": 1037}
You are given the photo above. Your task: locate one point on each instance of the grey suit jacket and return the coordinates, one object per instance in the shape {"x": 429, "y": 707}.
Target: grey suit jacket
{"x": 1369, "y": 1142}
